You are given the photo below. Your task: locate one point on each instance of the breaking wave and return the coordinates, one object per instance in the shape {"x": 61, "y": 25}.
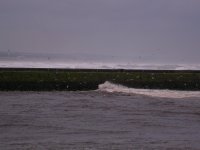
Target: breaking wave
{"x": 112, "y": 88}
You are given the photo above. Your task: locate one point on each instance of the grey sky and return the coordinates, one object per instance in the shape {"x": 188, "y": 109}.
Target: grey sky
{"x": 167, "y": 29}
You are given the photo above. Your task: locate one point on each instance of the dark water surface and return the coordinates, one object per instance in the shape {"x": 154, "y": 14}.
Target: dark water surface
{"x": 97, "y": 120}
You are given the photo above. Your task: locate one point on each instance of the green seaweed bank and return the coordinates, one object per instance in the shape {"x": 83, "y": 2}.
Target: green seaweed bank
{"x": 19, "y": 79}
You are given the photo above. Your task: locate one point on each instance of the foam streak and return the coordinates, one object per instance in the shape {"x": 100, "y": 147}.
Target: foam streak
{"x": 110, "y": 87}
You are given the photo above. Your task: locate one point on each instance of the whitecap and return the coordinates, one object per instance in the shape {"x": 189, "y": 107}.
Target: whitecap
{"x": 112, "y": 88}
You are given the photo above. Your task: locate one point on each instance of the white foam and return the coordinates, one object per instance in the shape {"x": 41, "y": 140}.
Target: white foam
{"x": 93, "y": 65}
{"x": 110, "y": 87}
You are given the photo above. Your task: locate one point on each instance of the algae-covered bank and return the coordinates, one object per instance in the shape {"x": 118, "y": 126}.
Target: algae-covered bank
{"x": 34, "y": 79}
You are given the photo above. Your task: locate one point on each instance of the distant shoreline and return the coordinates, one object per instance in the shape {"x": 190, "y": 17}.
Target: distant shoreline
{"x": 47, "y": 79}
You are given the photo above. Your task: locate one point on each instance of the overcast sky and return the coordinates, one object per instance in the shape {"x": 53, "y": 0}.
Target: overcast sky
{"x": 163, "y": 29}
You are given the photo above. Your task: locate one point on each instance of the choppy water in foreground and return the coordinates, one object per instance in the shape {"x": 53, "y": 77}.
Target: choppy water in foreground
{"x": 96, "y": 120}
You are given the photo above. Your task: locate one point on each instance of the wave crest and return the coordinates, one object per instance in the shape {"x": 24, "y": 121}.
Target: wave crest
{"x": 112, "y": 88}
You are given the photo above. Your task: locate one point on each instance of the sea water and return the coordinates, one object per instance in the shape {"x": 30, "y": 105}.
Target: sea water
{"x": 15, "y": 59}
{"x": 95, "y": 65}
{"x": 111, "y": 117}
